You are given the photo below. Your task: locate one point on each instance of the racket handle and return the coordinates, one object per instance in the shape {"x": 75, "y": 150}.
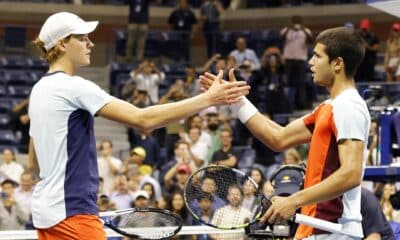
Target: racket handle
{"x": 318, "y": 223}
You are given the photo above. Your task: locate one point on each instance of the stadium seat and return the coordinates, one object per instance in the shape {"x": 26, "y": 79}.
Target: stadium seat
{"x": 13, "y": 62}
{"x": 5, "y": 106}
{"x": 7, "y": 137}
{"x": 3, "y": 91}
{"x": 18, "y": 78}
{"x": 4, "y": 121}
{"x": 19, "y": 91}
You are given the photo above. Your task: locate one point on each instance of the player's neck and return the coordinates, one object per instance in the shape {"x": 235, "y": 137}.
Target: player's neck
{"x": 64, "y": 65}
{"x": 340, "y": 85}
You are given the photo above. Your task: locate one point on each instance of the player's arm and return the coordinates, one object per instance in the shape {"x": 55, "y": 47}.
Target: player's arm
{"x": 33, "y": 165}
{"x": 157, "y": 116}
{"x": 273, "y": 135}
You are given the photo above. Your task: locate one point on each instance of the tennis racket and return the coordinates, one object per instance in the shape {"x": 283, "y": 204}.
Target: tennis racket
{"x": 143, "y": 223}
{"x": 224, "y": 187}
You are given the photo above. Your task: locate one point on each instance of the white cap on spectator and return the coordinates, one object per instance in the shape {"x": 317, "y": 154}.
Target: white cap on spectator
{"x": 140, "y": 193}
{"x": 61, "y": 25}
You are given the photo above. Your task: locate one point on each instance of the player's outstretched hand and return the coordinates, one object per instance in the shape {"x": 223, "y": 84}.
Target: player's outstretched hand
{"x": 207, "y": 79}
{"x": 222, "y": 92}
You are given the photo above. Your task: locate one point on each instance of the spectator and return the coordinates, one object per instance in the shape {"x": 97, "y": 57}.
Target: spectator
{"x": 121, "y": 195}
{"x": 292, "y": 156}
{"x": 105, "y": 204}
{"x": 138, "y": 138}
{"x": 23, "y": 194}
{"x": 257, "y": 175}
{"x": 197, "y": 121}
{"x": 10, "y": 168}
{"x": 273, "y": 73}
{"x": 12, "y": 215}
{"x": 175, "y": 178}
{"x": 231, "y": 214}
{"x": 19, "y": 123}
{"x": 148, "y": 77}
{"x": 109, "y": 166}
{"x": 375, "y": 226}
{"x": 181, "y": 155}
{"x": 392, "y": 54}
{"x": 366, "y": 71}
{"x": 141, "y": 199}
{"x": 210, "y": 12}
{"x": 213, "y": 125}
{"x": 138, "y": 26}
{"x": 296, "y": 38}
{"x": 182, "y": 20}
{"x": 249, "y": 198}
{"x": 176, "y": 204}
{"x": 175, "y": 93}
{"x": 198, "y": 150}
{"x": 390, "y": 213}
{"x": 205, "y": 213}
{"x": 242, "y": 53}
{"x": 225, "y": 156}
{"x": 149, "y": 189}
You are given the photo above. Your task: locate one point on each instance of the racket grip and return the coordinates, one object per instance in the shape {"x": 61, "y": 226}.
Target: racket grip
{"x": 318, "y": 223}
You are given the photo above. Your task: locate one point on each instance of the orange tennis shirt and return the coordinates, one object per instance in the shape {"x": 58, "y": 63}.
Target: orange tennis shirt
{"x": 345, "y": 117}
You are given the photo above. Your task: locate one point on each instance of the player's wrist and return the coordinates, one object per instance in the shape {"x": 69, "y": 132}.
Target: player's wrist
{"x": 243, "y": 109}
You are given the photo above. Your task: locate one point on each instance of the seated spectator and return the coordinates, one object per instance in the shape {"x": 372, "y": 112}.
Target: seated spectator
{"x": 141, "y": 199}
{"x": 205, "y": 213}
{"x": 232, "y": 214}
{"x": 257, "y": 175}
{"x": 213, "y": 125}
{"x": 121, "y": 195}
{"x": 23, "y": 194}
{"x": 225, "y": 156}
{"x": 12, "y": 215}
{"x": 105, "y": 204}
{"x": 109, "y": 166}
{"x": 137, "y": 157}
{"x": 375, "y": 226}
{"x": 249, "y": 198}
{"x": 149, "y": 189}
{"x": 150, "y": 145}
{"x": 181, "y": 155}
{"x": 242, "y": 53}
{"x": 197, "y": 121}
{"x": 390, "y": 213}
{"x": 198, "y": 150}
{"x": 175, "y": 178}
{"x": 176, "y": 204}
{"x": 10, "y": 168}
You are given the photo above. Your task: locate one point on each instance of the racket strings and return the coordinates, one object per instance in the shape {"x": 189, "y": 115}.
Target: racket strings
{"x": 149, "y": 225}
{"x": 225, "y": 189}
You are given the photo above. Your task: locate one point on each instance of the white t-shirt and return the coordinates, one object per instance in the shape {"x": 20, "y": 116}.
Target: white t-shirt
{"x": 61, "y": 111}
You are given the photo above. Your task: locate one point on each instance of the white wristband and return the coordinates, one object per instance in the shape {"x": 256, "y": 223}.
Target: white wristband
{"x": 243, "y": 109}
